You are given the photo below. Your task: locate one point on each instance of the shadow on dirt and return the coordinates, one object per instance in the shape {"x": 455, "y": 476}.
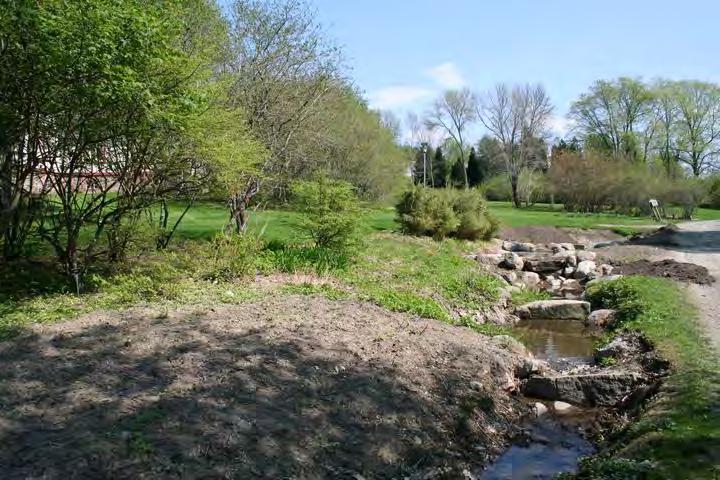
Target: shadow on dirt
{"x": 672, "y": 238}
{"x": 97, "y": 403}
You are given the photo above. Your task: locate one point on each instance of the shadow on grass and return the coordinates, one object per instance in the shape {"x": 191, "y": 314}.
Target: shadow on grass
{"x": 147, "y": 398}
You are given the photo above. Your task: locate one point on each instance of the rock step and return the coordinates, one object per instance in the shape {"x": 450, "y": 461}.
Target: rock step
{"x": 554, "y": 310}
{"x": 596, "y": 389}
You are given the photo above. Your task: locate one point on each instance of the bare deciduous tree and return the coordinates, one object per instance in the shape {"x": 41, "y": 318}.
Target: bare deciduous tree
{"x": 516, "y": 117}
{"x": 454, "y": 112}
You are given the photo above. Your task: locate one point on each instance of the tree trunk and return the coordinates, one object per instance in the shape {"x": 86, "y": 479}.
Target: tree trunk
{"x": 514, "y": 187}
{"x": 239, "y": 215}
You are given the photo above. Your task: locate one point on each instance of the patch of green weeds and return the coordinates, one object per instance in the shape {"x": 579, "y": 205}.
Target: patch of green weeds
{"x": 323, "y": 289}
{"x": 527, "y": 295}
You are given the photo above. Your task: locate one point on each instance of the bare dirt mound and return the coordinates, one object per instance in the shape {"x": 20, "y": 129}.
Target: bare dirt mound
{"x": 543, "y": 234}
{"x": 290, "y": 387}
{"x": 683, "y": 272}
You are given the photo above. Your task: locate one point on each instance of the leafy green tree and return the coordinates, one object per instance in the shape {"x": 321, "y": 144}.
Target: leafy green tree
{"x": 348, "y": 141}
{"x": 283, "y": 67}
{"x": 618, "y": 116}
{"x": 440, "y": 169}
{"x": 118, "y": 78}
{"x": 475, "y": 169}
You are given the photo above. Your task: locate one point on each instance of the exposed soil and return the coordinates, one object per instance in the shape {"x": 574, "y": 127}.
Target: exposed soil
{"x": 541, "y": 234}
{"x": 683, "y": 272}
{"x": 290, "y": 387}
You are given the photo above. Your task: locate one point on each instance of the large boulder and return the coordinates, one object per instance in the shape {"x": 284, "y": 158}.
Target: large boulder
{"x": 601, "y": 318}
{"x": 585, "y": 269}
{"x": 595, "y": 389}
{"x": 584, "y": 256}
{"x": 545, "y": 263}
{"x": 492, "y": 259}
{"x": 554, "y": 309}
{"x": 623, "y": 347}
{"x": 530, "y": 279}
{"x": 570, "y": 288}
{"x": 512, "y": 261}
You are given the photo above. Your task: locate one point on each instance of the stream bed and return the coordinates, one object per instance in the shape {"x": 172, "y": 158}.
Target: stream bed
{"x": 553, "y": 445}
{"x": 554, "y": 442}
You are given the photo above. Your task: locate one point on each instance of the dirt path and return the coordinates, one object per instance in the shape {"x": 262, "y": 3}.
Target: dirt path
{"x": 286, "y": 387}
{"x": 699, "y": 243}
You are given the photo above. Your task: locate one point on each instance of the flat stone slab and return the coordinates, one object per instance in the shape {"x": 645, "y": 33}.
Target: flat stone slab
{"x": 554, "y": 310}
{"x": 545, "y": 263}
{"x": 597, "y": 389}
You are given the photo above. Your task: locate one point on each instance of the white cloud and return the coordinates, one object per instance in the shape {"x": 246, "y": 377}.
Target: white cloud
{"x": 447, "y": 75}
{"x": 560, "y": 126}
{"x": 397, "y": 96}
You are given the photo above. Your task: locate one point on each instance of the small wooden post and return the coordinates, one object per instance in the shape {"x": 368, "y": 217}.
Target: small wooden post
{"x": 655, "y": 210}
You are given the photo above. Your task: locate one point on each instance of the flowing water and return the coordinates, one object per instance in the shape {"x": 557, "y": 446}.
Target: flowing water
{"x": 553, "y": 446}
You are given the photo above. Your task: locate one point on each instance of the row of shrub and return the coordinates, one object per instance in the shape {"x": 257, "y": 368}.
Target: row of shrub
{"x": 441, "y": 213}
{"x": 592, "y": 183}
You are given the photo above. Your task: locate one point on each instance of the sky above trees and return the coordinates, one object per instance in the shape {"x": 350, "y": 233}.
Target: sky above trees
{"x": 403, "y": 54}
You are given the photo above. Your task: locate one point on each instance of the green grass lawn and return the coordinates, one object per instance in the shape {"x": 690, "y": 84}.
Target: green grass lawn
{"x": 555, "y": 216}
{"x": 206, "y": 219}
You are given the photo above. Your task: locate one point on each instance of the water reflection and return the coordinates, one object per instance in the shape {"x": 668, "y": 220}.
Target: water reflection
{"x": 558, "y": 340}
{"x": 553, "y": 447}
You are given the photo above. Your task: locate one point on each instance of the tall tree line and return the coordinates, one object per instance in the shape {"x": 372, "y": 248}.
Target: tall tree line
{"x": 674, "y": 122}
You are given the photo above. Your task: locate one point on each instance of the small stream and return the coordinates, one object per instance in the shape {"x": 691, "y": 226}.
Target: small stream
{"x": 553, "y": 443}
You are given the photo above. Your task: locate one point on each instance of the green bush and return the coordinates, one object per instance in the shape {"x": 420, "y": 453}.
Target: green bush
{"x": 440, "y": 213}
{"x": 497, "y": 188}
{"x": 712, "y": 197}
{"x": 330, "y": 212}
{"x": 472, "y": 212}
{"x": 427, "y": 211}
{"x": 231, "y": 256}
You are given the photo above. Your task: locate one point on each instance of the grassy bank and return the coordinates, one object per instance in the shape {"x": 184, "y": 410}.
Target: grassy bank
{"x": 678, "y": 435}
{"x": 406, "y": 274}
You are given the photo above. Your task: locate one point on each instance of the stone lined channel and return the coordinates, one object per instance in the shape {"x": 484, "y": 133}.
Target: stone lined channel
{"x": 552, "y": 443}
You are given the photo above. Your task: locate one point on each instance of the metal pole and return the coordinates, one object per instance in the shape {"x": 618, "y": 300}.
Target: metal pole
{"x": 424, "y": 149}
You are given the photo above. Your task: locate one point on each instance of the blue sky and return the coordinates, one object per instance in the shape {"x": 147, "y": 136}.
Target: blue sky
{"x": 403, "y": 53}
